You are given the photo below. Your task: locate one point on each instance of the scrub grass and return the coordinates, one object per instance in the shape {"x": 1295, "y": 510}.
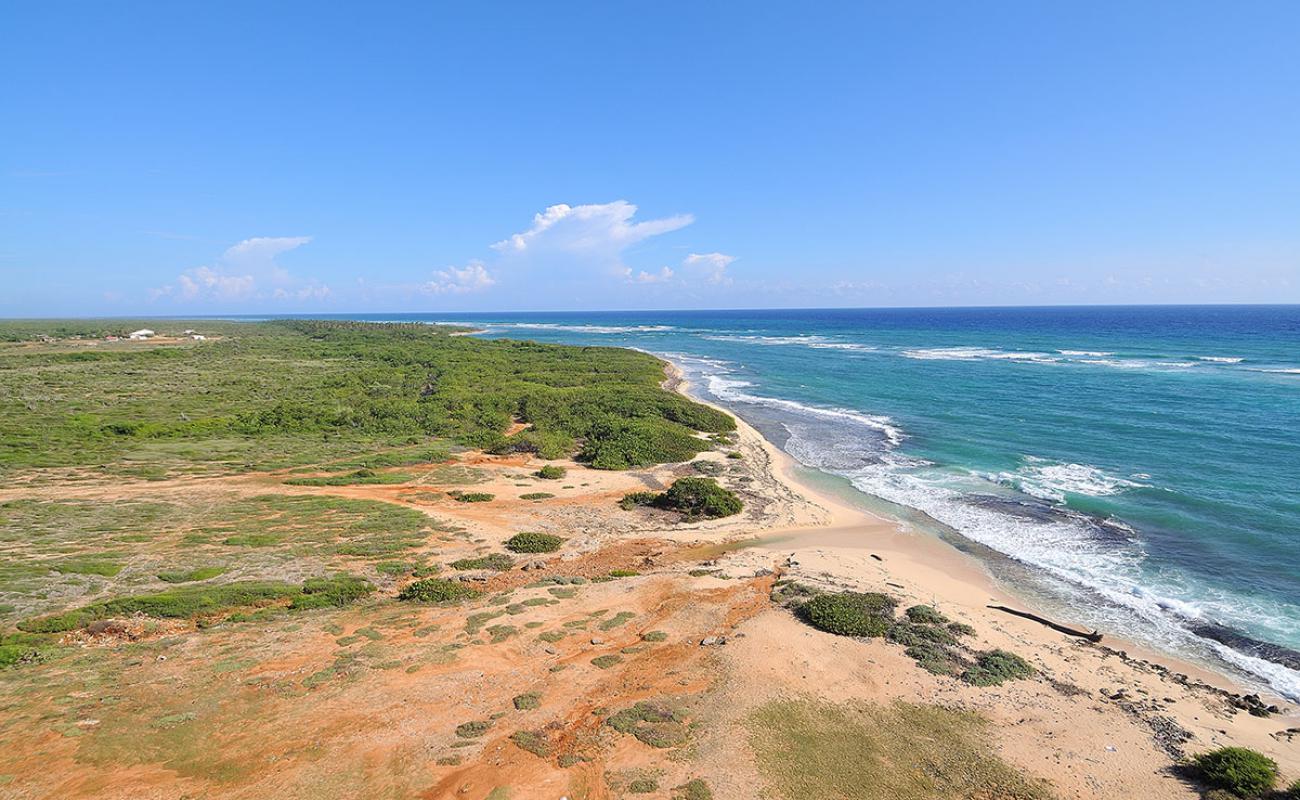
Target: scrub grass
{"x": 809, "y": 748}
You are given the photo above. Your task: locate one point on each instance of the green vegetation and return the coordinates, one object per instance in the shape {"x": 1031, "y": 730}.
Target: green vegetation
{"x": 695, "y": 498}
{"x": 808, "y": 748}
{"x": 193, "y": 601}
{"x": 657, "y": 724}
{"x": 623, "y": 573}
{"x": 499, "y": 562}
{"x": 474, "y": 497}
{"x": 654, "y": 636}
{"x": 694, "y": 789}
{"x": 551, "y": 472}
{"x": 533, "y": 741}
{"x": 607, "y": 661}
{"x": 293, "y": 392}
{"x": 437, "y": 590}
{"x": 474, "y": 729}
{"x": 642, "y": 786}
{"x": 849, "y": 613}
{"x": 189, "y": 576}
{"x": 926, "y": 615}
{"x": 528, "y": 701}
{"x": 106, "y": 569}
{"x": 1236, "y": 770}
{"x": 536, "y": 496}
{"x": 360, "y": 477}
{"x": 995, "y": 667}
{"x": 533, "y": 542}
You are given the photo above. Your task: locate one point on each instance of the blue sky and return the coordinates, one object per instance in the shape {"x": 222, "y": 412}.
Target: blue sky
{"x": 193, "y": 158}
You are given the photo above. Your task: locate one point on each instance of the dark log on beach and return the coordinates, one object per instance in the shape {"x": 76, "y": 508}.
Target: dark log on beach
{"x": 1093, "y": 637}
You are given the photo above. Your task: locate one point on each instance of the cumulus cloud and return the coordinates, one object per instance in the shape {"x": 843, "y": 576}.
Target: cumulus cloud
{"x": 597, "y": 233}
{"x": 245, "y": 271}
{"x": 664, "y": 275}
{"x": 712, "y": 266}
{"x": 473, "y": 277}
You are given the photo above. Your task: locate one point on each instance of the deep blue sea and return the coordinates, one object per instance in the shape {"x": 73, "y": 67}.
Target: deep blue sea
{"x": 1141, "y": 464}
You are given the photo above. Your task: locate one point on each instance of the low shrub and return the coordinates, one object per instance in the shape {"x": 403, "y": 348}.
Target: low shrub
{"x": 926, "y": 615}
{"x": 474, "y": 729}
{"x": 961, "y": 629}
{"x": 551, "y": 472}
{"x": 88, "y": 566}
{"x": 693, "y": 790}
{"x": 635, "y": 499}
{"x": 437, "y": 590}
{"x": 623, "y": 573}
{"x": 533, "y": 542}
{"x": 500, "y": 562}
{"x": 849, "y": 613}
{"x": 1238, "y": 770}
{"x": 654, "y": 636}
{"x": 656, "y": 724}
{"x": 338, "y": 590}
{"x": 937, "y": 659}
{"x": 474, "y": 497}
{"x": 189, "y": 576}
{"x": 528, "y": 701}
{"x": 178, "y": 603}
{"x": 643, "y": 786}
{"x": 533, "y": 741}
{"x": 995, "y": 667}
{"x": 605, "y": 662}
{"x": 911, "y": 633}
{"x": 536, "y": 496}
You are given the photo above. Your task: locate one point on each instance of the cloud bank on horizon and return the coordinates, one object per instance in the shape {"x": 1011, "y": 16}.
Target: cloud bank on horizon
{"x": 585, "y": 243}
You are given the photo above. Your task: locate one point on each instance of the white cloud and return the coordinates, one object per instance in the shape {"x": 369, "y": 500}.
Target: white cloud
{"x": 664, "y": 275}
{"x": 597, "y": 233}
{"x": 246, "y": 271}
{"x": 472, "y": 278}
{"x": 713, "y": 266}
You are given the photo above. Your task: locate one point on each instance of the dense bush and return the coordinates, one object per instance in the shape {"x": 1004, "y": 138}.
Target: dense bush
{"x": 625, "y": 443}
{"x": 1238, "y": 770}
{"x": 849, "y": 613}
{"x": 474, "y": 497}
{"x": 701, "y": 497}
{"x": 995, "y": 667}
{"x": 437, "y": 590}
{"x": 369, "y": 383}
{"x": 696, "y": 498}
{"x": 550, "y": 472}
{"x": 533, "y": 542}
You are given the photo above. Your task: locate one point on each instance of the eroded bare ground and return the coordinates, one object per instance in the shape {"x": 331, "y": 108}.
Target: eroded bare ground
{"x": 517, "y": 694}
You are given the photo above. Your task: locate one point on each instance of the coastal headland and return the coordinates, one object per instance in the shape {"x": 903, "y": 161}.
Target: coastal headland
{"x": 325, "y": 560}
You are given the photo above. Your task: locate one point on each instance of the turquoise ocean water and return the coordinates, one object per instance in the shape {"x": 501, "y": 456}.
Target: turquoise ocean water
{"x": 1138, "y": 465}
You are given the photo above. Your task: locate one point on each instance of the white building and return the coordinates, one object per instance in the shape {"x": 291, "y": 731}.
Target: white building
{"x": 143, "y": 333}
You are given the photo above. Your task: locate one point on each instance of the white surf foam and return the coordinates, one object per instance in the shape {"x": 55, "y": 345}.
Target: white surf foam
{"x": 1050, "y": 480}
{"x": 1221, "y": 359}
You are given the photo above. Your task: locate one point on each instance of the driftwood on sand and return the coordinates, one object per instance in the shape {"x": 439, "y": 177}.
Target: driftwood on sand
{"x": 1068, "y": 631}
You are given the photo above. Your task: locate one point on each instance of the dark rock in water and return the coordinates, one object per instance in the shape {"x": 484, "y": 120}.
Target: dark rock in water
{"x": 1047, "y": 513}
{"x": 1245, "y": 644}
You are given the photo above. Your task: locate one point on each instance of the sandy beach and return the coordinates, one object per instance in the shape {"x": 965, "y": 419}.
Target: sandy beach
{"x": 1105, "y": 720}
